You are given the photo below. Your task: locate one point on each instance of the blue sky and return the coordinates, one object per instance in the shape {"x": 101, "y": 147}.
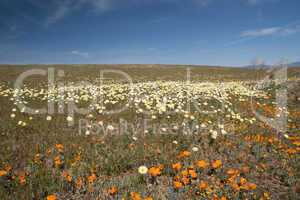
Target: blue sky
{"x": 213, "y": 32}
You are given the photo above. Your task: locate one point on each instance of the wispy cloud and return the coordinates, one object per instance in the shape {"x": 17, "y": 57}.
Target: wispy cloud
{"x": 63, "y": 8}
{"x": 253, "y": 2}
{"x": 80, "y": 53}
{"x": 60, "y": 12}
{"x": 261, "y": 32}
{"x": 257, "y": 2}
{"x": 271, "y": 31}
{"x": 202, "y": 2}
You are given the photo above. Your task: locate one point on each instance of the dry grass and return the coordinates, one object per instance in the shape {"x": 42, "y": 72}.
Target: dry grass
{"x": 253, "y": 161}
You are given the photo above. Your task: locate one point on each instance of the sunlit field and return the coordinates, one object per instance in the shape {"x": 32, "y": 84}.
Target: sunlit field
{"x": 149, "y": 132}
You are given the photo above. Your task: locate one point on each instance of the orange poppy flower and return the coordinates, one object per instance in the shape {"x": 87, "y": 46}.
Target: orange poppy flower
{"x": 202, "y": 164}
{"x": 193, "y": 174}
{"x": 52, "y": 197}
{"x": 77, "y": 157}
{"x": 185, "y": 180}
{"x": 249, "y": 186}
{"x": 92, "y": 178}
{"x": 176, "y": 166}
{"x": 291, "y": 151}
{"x": 22, "y": 179}
{"x": 148, "y": 198}
{"x": 232, "y": 172}
{"x": 177, "y": 185}
{"x": 216, "y": 164}
{"x": 135, "y": 196}
{"x": 203, "y": 185}
{"x": 67, "y": 176}
{"x": 79, "y": 183}
{"x": 58, "y": 161}
{"x": 59, "y": 147}
{"x": 235, "y": 186}
{"x": 155, "y": 171}
{"x": 3, "y": 173}
{"x": 113, "y": 191}
{"x": 184, "y": 154}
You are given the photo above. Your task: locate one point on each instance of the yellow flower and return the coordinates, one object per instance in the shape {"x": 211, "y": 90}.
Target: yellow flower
{"x": 184, "y": 173}
{"x": 37, "y": 158}
{"x": 243, "y": 181}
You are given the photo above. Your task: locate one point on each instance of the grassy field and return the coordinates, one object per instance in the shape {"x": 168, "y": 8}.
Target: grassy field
{"x": 176, "y": 137}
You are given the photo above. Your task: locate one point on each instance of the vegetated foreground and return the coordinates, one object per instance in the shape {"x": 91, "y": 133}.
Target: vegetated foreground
{"x": 223, "y": 134}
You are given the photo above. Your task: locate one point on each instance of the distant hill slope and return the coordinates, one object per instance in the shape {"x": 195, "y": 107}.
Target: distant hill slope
{"x": 295, "y": 64}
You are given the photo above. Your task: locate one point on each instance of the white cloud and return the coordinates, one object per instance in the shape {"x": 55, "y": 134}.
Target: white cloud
{"x": 64, "y": 8}
{"x": 261, "y": 32}
{"x": 257, "y": 2}
{"x": 281, "y": 31}
{"x": 80, "y": 53}
{"x": 202, "y": 2}
{"x": 61, "y": 11}
{"x": 253, "y": 2}
{"x": 101, "y": 5}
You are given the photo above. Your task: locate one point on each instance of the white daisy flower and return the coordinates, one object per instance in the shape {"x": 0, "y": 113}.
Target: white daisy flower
{"x": 214, "y": 134}
{"x": 69, "y": 119}
{"x": 143, "y": 170}
{"x": 195, "y": 149}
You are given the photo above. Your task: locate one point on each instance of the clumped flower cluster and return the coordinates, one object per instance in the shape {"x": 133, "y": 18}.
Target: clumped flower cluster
{"x": 236, "y": 156}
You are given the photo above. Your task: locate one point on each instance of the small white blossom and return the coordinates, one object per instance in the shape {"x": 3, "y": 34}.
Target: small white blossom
{"x": 143, "y": 170}
{"x": 195, "y": 149}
